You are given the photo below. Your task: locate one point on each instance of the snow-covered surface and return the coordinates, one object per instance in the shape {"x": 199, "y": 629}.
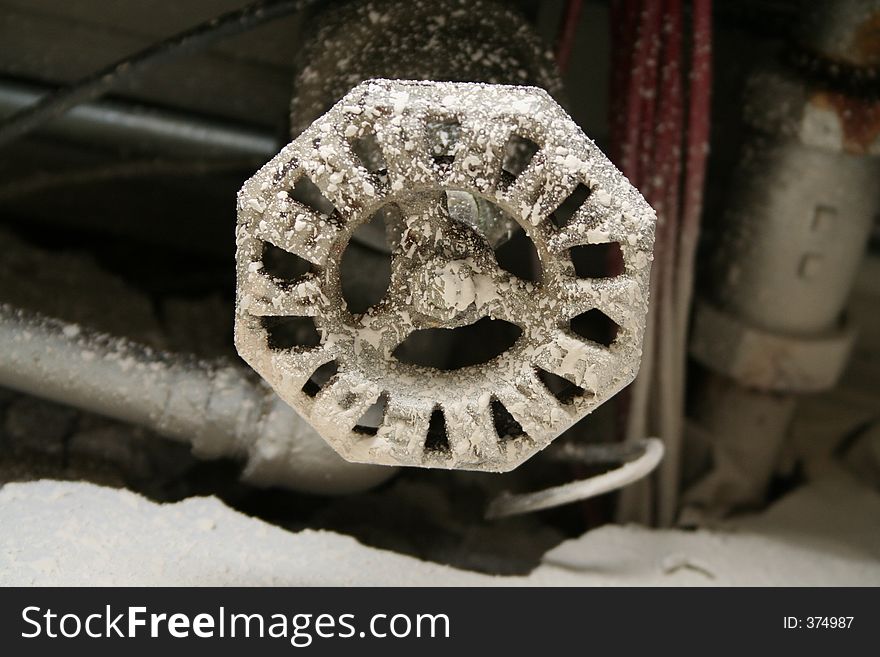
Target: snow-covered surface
{"x": 60, "y": 533}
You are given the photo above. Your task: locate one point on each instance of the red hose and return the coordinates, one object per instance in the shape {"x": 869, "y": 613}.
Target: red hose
{"x": 567, "y": 31}
{"x": 660, "y": 102}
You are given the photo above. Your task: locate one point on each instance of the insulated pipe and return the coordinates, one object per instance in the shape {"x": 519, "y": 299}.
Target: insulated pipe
{"x": 217, "y": 407}
{"x": 804, "y": 200}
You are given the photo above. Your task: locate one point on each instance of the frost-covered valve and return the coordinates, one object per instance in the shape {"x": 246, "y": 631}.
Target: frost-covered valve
{"x": 419, "y": 155}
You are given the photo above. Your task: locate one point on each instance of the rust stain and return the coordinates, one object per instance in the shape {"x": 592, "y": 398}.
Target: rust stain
{"x": 859, "y": 118}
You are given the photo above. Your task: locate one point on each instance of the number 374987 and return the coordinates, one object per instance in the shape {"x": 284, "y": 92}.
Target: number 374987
{"x": 818, "y": 622}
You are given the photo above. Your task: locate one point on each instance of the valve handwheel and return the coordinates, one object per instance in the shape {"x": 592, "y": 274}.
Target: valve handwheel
{"x": 444, "y": 272}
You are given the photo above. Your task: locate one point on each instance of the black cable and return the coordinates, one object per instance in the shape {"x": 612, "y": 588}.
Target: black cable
{"x": 192, "y": 40}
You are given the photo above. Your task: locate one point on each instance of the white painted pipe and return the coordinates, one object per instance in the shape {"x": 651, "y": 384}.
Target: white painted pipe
{"x": 221, "y": 409}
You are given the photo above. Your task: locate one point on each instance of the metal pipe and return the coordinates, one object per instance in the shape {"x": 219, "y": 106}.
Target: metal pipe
{"x": 128, "y": 124}
{"x": 217, "y": 407}
{"x": 189, "y": 41}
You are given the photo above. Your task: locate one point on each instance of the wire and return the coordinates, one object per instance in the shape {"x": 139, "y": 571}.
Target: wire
{"x": 192, "y": 40}
{"x": 508, "y": 504}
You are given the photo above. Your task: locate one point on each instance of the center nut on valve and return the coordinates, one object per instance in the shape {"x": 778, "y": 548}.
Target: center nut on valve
{"x": 444, "y": 272}
{"x": 445, "y": 291}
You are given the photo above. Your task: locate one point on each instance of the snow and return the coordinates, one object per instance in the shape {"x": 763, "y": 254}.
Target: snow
{"x": 825, "y": 533}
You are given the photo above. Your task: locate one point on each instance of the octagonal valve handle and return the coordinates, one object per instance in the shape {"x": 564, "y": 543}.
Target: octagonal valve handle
{"x": 443, "y": 272}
